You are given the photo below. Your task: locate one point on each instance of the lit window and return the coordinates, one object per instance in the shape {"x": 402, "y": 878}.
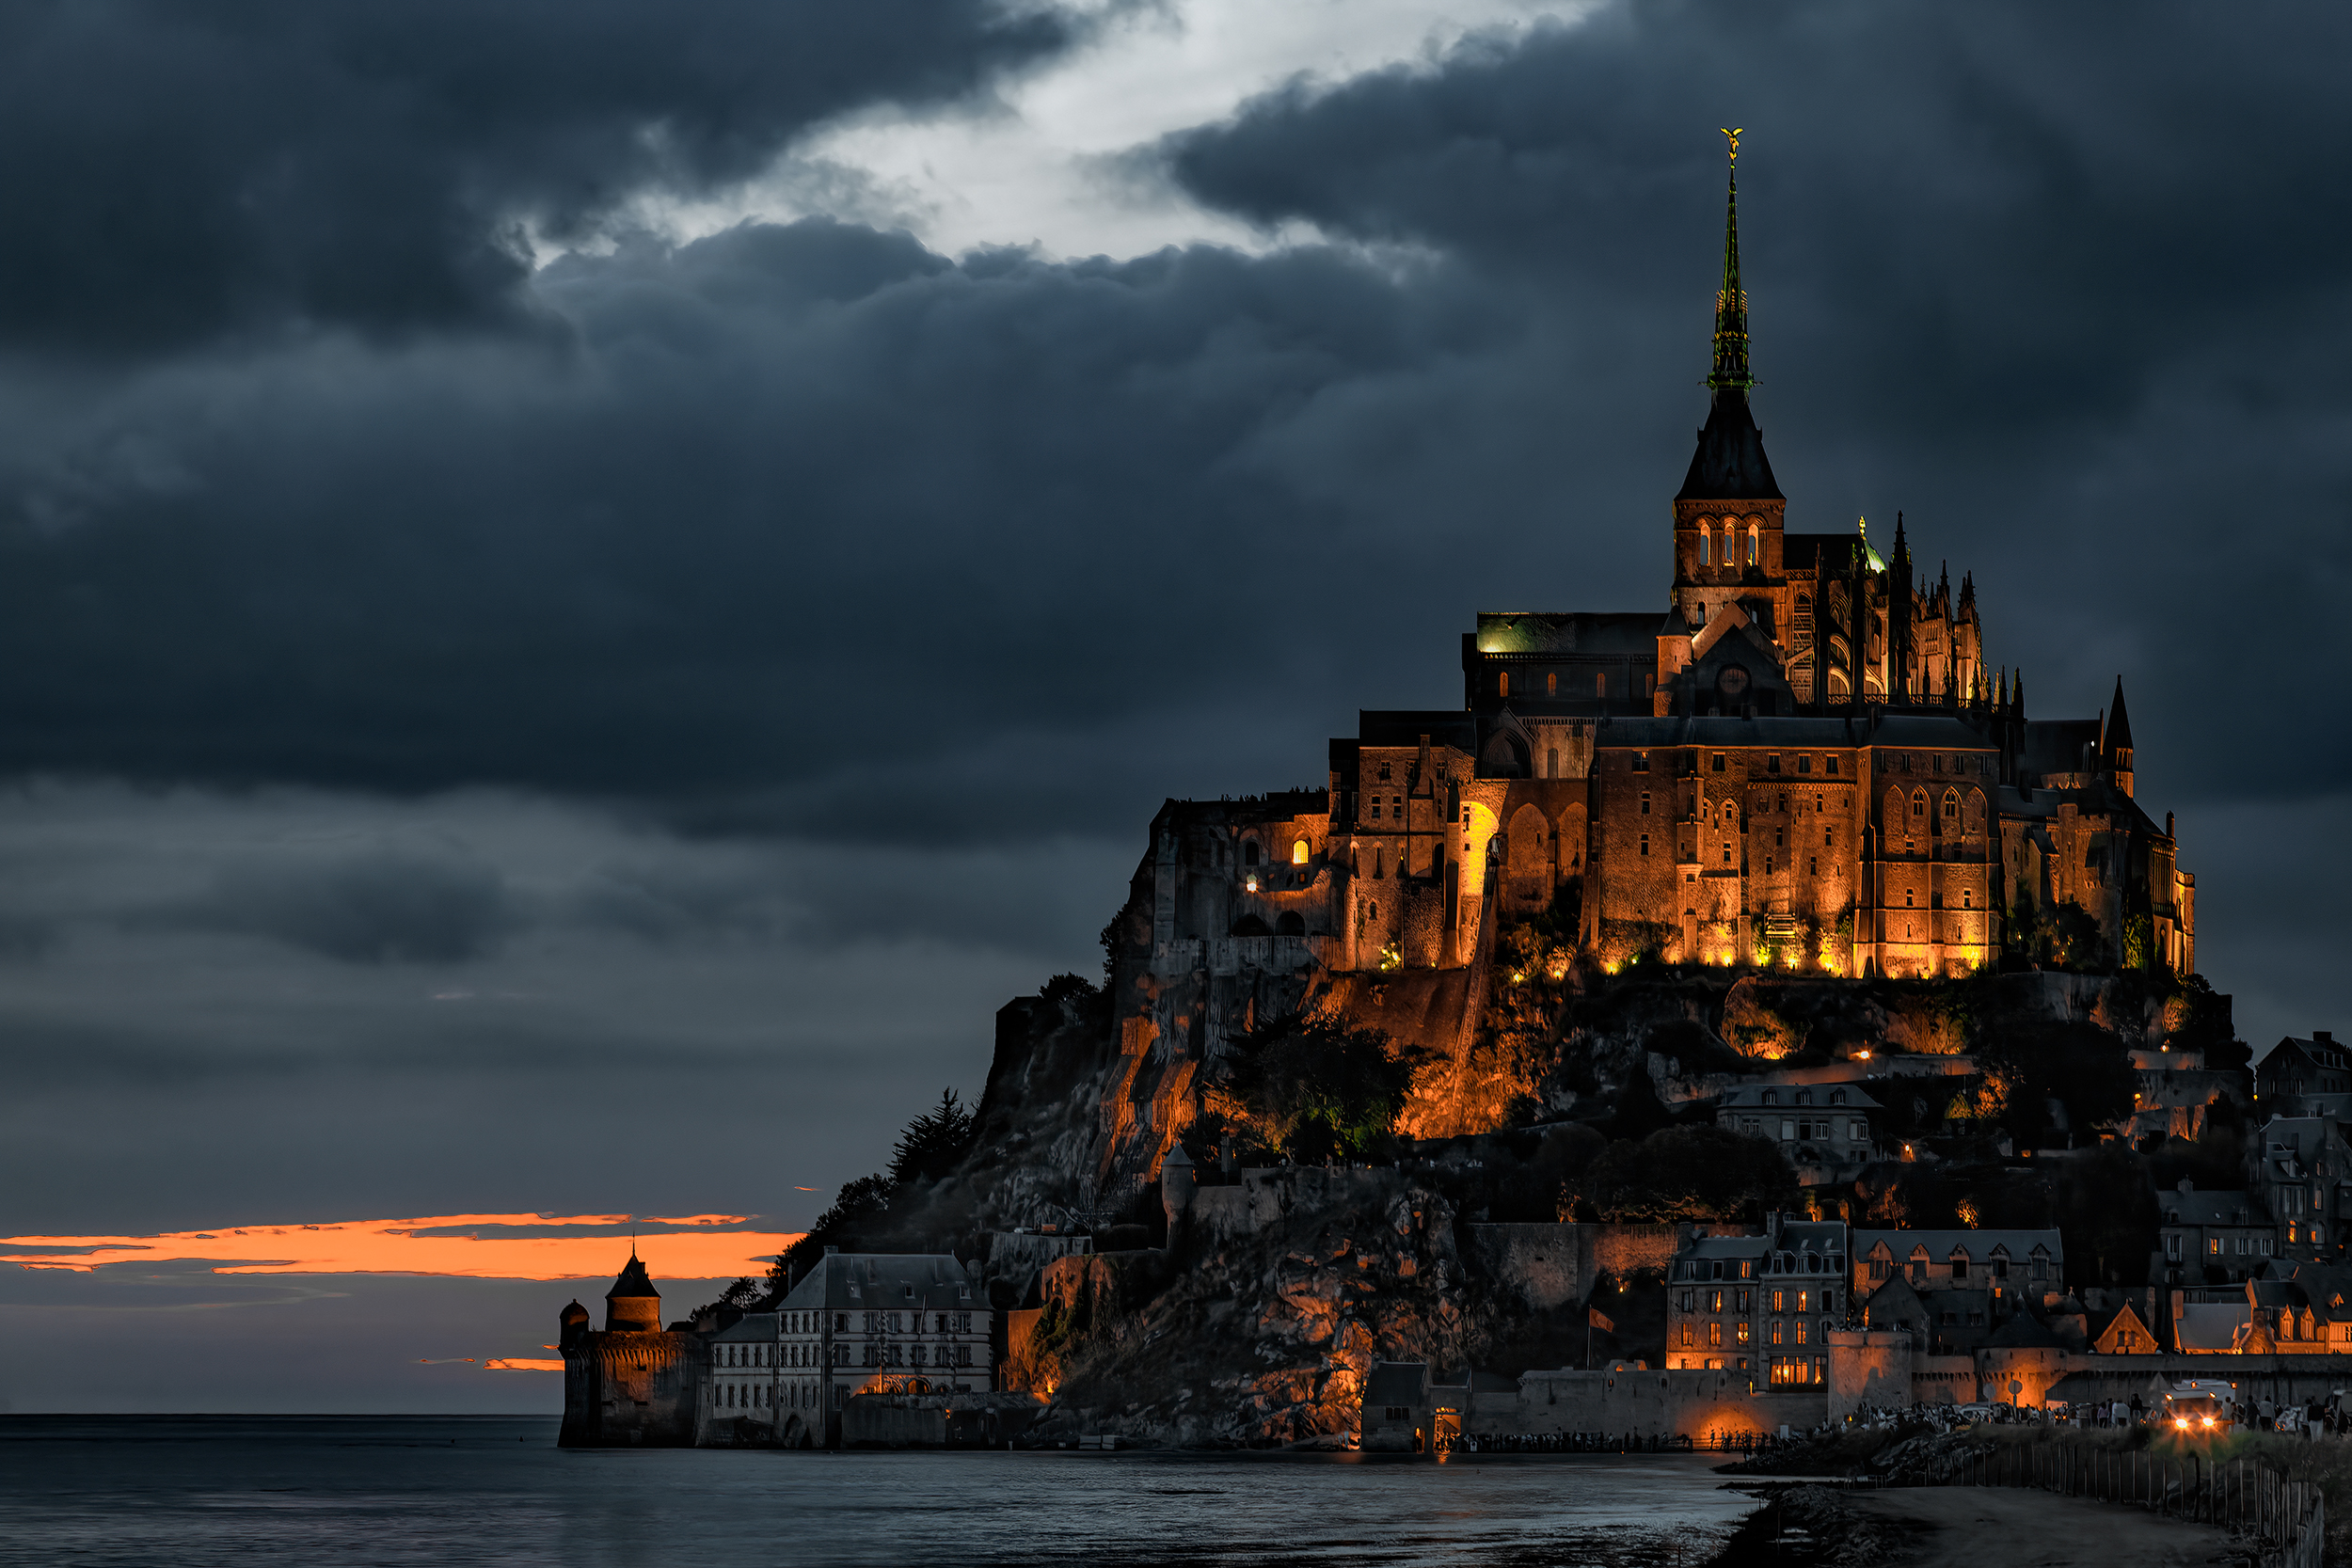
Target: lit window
{"x": 1502, "y": 684}
{"x": 1298, "y": 853}
{"x": 1705, "y": 537}
{"x": 1551, "y": 684}
{"x": 1601, "y": 685}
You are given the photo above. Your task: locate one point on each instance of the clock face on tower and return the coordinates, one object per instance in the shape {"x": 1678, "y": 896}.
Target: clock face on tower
{"x": 1732, "y": 680}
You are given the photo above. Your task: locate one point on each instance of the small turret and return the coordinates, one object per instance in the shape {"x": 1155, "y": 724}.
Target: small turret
{"x": 632, "y": 1306}
{"x": 2116, "y": 748}
{"x": 572, "y": 1327}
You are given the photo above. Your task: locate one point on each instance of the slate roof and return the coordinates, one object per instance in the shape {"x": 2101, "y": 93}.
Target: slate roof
{"x": 2211, "y": 1208}
{"x": 1576, "y": 633}
{"x": 1730, "y": 464}
{"x": 1979, "y": 1245}
{"x": 633, "y": 1282}
{"x": 1750, "y": 1096}
{"x": 1397, "y": 1383}
{"x": 2211, "y": 1325}
{"x": 755, "y": 1327}
{"x": 879, "y": 1280}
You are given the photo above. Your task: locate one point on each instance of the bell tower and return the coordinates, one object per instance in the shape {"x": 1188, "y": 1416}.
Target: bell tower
{"x": 1729, "y": 512}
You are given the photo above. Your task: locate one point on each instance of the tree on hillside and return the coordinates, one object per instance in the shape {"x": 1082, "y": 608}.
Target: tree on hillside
{"x": 1686, "y": 1173}
{"x": 1314, "y": 1090}
{"x": 932, "y": 1142}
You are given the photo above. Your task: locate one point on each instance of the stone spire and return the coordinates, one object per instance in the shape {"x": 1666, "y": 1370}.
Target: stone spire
{"x": 1729, "y": 464}
{"x": 1731, "y": 301}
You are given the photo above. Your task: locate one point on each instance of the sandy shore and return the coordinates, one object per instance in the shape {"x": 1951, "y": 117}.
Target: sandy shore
{"x": 1968, "y": 1527}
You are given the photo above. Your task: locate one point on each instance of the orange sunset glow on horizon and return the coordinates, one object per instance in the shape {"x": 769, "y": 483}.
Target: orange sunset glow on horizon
{"x": 534, "y": 1246}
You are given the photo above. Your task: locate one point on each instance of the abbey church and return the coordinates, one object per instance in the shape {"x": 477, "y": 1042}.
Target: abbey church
{"x": 1799, "y": 763}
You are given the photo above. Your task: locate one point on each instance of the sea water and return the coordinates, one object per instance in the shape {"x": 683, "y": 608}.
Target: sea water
{"x": 261, "y": 1490}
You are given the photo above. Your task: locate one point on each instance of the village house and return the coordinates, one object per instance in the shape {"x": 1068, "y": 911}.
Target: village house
{"x": 2306, "y": 1078}
{"x": 2209, "y": 1238}
{"x": 2007, "y": 1266}
{"x": 2300, "y": 1169}
{"x": 2176, "y": 1093}
{"x": 878, "y": 1322}
{"x": 1758, "y": 1305}
{"x": 1824, "y": 1130}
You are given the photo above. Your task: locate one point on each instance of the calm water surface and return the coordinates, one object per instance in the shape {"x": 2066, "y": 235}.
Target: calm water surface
{"x": 263, "y": 1491}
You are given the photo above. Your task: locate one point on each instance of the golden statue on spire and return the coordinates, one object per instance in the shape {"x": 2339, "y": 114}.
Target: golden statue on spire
{"x": 1732, "y": 135}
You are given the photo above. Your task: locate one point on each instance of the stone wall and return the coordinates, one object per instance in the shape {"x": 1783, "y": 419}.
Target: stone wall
{"x": 631, "y": 1391}
{"x": 1265, "y": 1198}
{"x": 1868, "y": 1367}
{"x": 1698, "y": 1404}
{"x": 1550, "y": 1266}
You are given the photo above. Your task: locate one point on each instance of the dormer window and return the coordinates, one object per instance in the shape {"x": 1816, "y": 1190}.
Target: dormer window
{"x": 1837, "y": 1096}
{"x": 1771, "y": 1096}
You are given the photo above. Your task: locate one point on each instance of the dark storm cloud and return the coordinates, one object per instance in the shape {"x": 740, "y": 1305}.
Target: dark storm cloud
{"x": 823, "y": 534}
{"x": 377, "y": 906}
{"x": 171, "y": 172}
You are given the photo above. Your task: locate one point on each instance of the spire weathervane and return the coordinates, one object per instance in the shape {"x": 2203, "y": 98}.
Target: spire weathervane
{"x": 1731, "y": 303}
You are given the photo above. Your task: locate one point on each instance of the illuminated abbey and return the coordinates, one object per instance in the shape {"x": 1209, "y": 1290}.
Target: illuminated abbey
{"x": 1800, "y": 763}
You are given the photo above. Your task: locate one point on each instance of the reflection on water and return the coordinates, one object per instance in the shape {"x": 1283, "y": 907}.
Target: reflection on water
{"x": 263, "y": 1491}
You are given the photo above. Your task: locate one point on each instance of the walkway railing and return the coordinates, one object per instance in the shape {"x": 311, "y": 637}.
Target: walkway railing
{"x": 2286, "y": 1515}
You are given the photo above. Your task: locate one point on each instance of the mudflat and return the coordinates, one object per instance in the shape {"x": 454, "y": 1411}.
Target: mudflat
{"x": 1967, "y": 1526}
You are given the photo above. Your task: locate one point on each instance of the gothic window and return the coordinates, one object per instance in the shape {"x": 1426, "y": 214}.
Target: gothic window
{"x": 1299, "y": 853}
{"x": 1951, "y": 811}
{"x": 1919, "y": 805}
{"x": 1551, "y": 683}
{"x": 1502, "y": 684}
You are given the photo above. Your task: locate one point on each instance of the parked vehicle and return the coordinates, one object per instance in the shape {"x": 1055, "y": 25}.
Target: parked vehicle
{"x": 2200, "y": 1404}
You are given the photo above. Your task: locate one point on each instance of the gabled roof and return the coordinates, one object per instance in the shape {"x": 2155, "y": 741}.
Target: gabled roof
{"x": 2212, "y": 1325}
{"x": 2110, "y": 1336}
{"x": 884, "y": 1280}
{"x": 760, "y": 1327}
{"x": 1940, "y": 1244}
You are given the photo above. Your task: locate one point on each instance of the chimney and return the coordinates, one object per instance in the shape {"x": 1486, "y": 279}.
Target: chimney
{"x": 2323, "y": 1036}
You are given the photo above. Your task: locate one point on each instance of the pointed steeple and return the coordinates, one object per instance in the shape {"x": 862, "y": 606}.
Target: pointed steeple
{"x": 1730, "y": 464}
{"x": 2119, "y": 736}
{"x": 1731, "y": 301}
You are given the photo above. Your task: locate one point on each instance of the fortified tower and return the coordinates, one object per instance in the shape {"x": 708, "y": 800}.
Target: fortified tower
{"x": 634, "y": 1385}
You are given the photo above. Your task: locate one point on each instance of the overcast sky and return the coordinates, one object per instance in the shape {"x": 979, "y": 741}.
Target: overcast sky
{"x": 586, "y": 588}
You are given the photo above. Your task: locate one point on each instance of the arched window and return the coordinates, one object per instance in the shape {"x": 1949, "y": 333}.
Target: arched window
{"x": 1731, "y": 540}
{"x": 1951, "y": 811}
{"x": 1502, "y": 684}
{"x": 1919, "y": 805}
{"x": 1551, "y": 683}
{"x": 1249, "y": 851}
{"x": 1707, "y": 536}
{"x": 1299, "y": 853}
{"x": 1755, "y": 547}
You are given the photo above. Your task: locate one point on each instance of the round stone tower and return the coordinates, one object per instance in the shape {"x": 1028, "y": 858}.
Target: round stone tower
{"x": 632, "y": 1306}
{"x": 572, "y": 1326}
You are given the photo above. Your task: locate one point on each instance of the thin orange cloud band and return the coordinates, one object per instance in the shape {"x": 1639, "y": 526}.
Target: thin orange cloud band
{"x": 695, "y": 1246}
